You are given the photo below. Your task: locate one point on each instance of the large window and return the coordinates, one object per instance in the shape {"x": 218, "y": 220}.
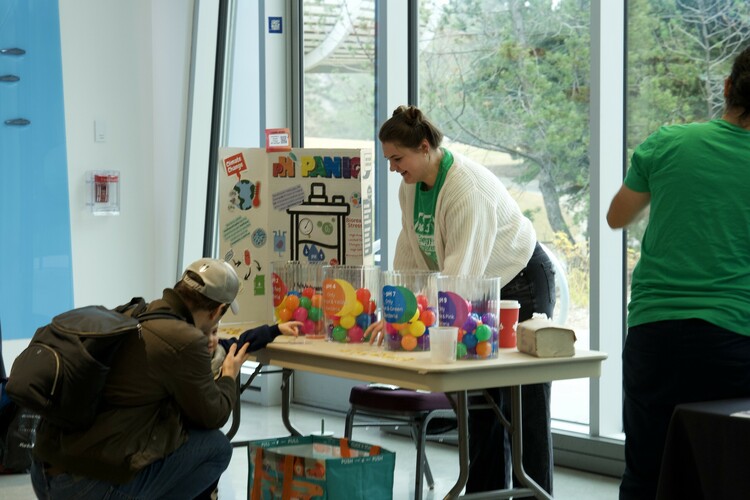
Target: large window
{"x": 339, "y": 73}
{"x": 508, "y": 83}
{"x": 679, "y": 54}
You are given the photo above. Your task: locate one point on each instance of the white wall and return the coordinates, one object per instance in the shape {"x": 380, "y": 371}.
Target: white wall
{"x": 127, "y": 64}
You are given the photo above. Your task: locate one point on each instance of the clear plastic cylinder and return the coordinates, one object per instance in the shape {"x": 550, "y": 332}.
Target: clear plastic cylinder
{"x": 473, "y": 305}
{"x": 297, "y": 295}
{"x": 409, "y": 308}
{"x": 350, "y": 301}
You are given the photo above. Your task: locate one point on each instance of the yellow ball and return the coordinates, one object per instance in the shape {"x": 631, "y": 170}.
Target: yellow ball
{"x": 417, "y": 328}
{"x": 347, "y": 321}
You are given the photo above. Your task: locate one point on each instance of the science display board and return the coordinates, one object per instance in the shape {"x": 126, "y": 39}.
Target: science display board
{"x": 306, "y": 205}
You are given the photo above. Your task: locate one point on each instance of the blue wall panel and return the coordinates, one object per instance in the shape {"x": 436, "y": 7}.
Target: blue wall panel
{"x": 36, "y": 279}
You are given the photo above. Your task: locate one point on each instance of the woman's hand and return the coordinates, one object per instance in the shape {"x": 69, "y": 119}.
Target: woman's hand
{"x": 290, "y": 328}
{"x": 376, "y": 331}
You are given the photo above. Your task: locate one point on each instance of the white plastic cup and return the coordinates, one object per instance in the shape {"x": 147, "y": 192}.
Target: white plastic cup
{"x": 443, "y": 343}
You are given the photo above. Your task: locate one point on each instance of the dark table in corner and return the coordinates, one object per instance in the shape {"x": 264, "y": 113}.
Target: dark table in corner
{"x": 707, "y": 452}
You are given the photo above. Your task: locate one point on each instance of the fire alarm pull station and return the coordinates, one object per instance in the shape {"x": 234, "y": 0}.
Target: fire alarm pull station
{"x": 104, "y": 192}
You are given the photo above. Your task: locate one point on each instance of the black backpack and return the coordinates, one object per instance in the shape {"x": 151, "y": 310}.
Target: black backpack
{"x": 62, "y": 372}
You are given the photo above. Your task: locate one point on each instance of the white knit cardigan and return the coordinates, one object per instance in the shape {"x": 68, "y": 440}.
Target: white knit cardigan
{"x": 479, "y": 229}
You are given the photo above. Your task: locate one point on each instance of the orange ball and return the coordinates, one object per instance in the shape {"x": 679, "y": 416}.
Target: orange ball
{"x": 484, "y": 349}
{"x": 408, "y": 342}
{"x": 427, "y": 317}
{"x": 317, "y": 300}
{"x": 291, "y": 302}
{"x": 285, "y": 314}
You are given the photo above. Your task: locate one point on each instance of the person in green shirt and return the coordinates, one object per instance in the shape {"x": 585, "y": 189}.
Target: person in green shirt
{"x": 458, "y": 218}
{"x": 689, "y": 312}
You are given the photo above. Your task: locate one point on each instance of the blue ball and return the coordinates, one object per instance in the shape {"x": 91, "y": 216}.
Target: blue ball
{"x": 469, "y": 340}
{"x": 363, "y": 321}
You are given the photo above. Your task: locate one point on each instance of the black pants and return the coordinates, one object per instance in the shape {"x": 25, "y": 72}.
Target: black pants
{"x": 664, "y": 364}
{"x": 489, "y": 442}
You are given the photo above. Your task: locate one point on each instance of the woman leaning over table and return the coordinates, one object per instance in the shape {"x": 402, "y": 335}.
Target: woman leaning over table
{"x": 458, "y": 218}
{"x": 689, "y": 312}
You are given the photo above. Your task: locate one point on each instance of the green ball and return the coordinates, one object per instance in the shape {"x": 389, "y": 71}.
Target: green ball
{"x": 482, "y": 333}
{"x": 339, "y": 334}
{"x": 305, "y": 302}
{"x": 314, "y": 314}
{"x": 460, "y": 351}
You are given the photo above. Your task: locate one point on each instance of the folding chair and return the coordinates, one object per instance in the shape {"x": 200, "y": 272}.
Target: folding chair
{"x": 388, "y": 407}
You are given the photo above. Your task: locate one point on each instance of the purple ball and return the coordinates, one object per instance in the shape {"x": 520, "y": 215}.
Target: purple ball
{"x": 470, "y": 324}
{"x": 489, "y": 319}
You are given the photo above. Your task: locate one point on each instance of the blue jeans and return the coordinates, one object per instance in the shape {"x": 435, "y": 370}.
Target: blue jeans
{"x": 489, "y": 442}
{"x": 181, "y": 475}
{"x": 666, "y": 363}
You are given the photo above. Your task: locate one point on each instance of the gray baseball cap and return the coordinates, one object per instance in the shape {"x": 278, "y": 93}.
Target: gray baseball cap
{"x": 220, "y": 281}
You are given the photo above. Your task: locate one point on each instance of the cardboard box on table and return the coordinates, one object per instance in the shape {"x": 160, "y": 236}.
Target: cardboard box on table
{"x": 308, "y": 205}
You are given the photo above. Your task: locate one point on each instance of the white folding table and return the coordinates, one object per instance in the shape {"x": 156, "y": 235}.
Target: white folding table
{"x": 415, "y": 370}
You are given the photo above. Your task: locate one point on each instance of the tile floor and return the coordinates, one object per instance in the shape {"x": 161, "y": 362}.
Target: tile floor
{"x": 259, "y": 422}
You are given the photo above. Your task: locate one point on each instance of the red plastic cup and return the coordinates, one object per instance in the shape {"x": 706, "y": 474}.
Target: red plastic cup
{"x": 509, "y": 310}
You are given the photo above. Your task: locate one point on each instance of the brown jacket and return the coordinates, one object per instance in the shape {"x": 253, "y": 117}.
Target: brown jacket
{"x": 160, "y": 384}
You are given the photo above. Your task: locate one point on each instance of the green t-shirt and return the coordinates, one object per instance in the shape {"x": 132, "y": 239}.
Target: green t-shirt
{"x": 695, "y": 253}
{"x": 424, "y": 210}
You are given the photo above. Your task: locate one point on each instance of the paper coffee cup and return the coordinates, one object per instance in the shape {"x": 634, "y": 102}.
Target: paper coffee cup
{"x": 443, "y": 343}
{"x": 509, "y": 310}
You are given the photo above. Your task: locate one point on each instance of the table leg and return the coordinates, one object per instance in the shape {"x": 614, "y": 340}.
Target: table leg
{"x": 515, "y": 429}
{"x": 517, "y": 445}
{"x": 462, "y": 419}
{"x": 286, "y": 401}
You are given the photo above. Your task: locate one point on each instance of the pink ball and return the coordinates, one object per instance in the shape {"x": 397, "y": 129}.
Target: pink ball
{"x": 355, "y": 334}
{"x": 308, "y": 326}
{"x": 300, "y": 314}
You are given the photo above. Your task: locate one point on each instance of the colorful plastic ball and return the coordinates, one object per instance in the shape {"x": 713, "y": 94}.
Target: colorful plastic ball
{"x": 469, "y": 340}
{"x": 339, "y": 334}
{"x": 285, "y": 314}
{"x": 422, "y": 302}
{"x": 291, "y": 301}
{"x": 484, "y": 349}
{"x": 363, "y": 295}
{"x": 305, "y": 302}
{"x": 489, "y": 319}
{"x": 415, "y": 317}
{"x": 483, "y": 333}
{"x": 371, "y": 307}
{"x": 408, "y": 342}
{"x": 390, "y": 329}
{"x": 308, "y": 292}
{"x": 357, "y": 309}
{"x": 317, "y": 300}
{"x": 461, "y": 351}
{"x": 427, "y": 317}
{"x": 308, "y": 327}
{"x": 470, "y": 324}
{"x": 363, "y": 321}
{"x": 347, "y": 321}
{"x": 315, "y": 313}
{"x": 417, "y": 329}
{"x": 355, "y": 334}
{"x": 300, "y": 314}
{"x": 398, "y": 326}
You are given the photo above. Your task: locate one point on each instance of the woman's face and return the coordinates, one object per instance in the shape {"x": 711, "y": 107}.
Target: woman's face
{"x": 411, "y": 164}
